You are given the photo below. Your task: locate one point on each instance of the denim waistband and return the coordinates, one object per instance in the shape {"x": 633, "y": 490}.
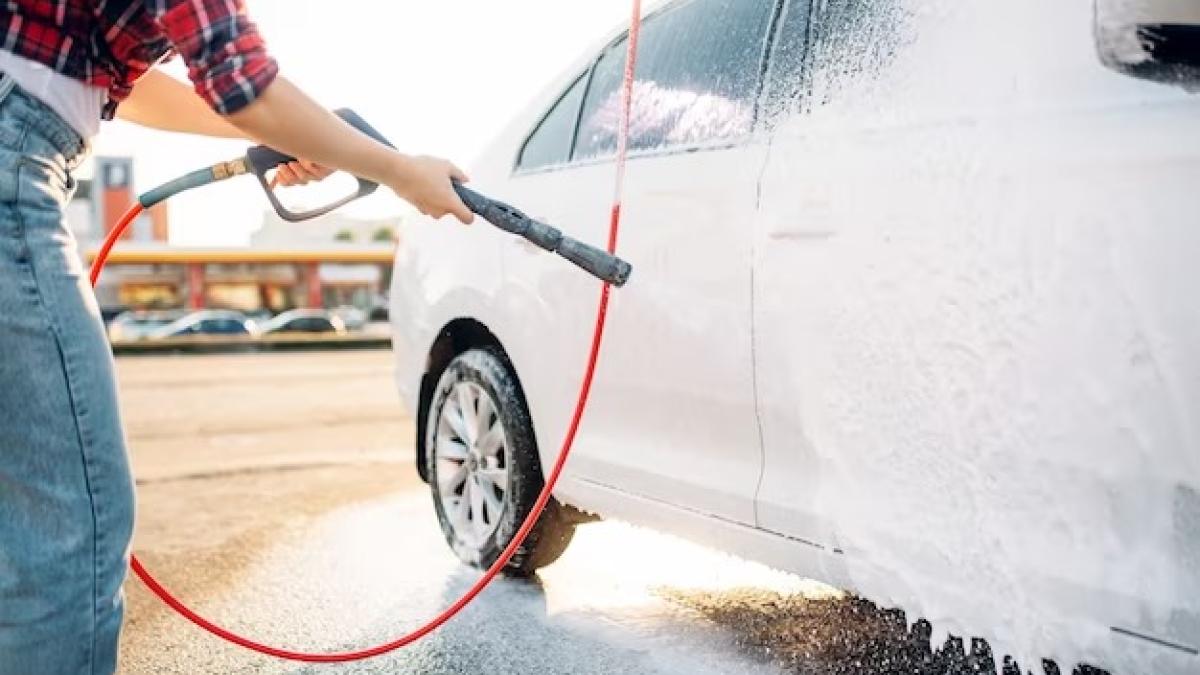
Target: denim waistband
{"x": 18, "y": 104}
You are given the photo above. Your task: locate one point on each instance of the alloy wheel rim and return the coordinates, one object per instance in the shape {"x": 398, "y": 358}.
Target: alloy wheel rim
{"x": 472, "y": 463}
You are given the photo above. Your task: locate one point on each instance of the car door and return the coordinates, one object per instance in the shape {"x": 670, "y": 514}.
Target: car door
{"x": 788, "y": 250}
{"x": 672, "y": 415}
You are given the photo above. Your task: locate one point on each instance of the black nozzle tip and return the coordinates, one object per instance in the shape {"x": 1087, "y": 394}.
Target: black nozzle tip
{"x": 621, "y": 274}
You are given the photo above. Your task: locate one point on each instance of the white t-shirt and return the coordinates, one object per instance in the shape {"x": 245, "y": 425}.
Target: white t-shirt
{"x": 78, "y": 103}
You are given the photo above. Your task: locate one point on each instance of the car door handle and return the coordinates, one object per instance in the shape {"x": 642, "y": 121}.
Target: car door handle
{"x": 812, "y": 220}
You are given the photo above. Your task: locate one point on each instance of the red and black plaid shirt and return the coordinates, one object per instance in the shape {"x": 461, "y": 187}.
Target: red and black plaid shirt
{"x": 112, "y": 43}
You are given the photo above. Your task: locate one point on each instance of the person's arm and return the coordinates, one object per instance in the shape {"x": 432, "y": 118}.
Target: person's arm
{"x": 159, "y": 101}
{"x": 230, "y": 69}
{"x": 162, "y": 102}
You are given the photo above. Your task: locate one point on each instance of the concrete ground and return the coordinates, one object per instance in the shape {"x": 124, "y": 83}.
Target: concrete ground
{"x": 277, "y": 495}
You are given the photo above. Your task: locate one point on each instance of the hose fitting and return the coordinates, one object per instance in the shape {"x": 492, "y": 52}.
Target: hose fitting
{"x": 226, "y": 170}
{"x": 206, "y": 176}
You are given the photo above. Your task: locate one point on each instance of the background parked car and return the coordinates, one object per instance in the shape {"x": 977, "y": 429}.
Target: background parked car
{"x": 135, "y": 325}
{"x": 380, "y": 309}
{"x": 208, "y": 322}
{"x": 313, "y": 321}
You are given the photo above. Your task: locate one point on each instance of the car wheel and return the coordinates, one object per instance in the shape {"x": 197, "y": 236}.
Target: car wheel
{"x": 484, "y": 469}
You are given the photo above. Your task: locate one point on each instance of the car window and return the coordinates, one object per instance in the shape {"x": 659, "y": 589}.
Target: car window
{"x": 222, "y": 327}
{"x": 852, "y": 46}
{"x": 311, "y": 325}
{"x": 698, "y": 74}
{"x": 550, "y": 143}
{"x": 597, "y": 133}
{"x": 786, "y": 86}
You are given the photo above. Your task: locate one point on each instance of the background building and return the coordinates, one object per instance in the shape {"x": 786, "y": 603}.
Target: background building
{"x": 334, "y": 261}
{"x": 101, "y": 201}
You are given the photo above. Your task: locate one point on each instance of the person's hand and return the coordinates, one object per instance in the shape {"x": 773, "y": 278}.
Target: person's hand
{"x": 425, "y": 183}
{"x": 301, "y": 172}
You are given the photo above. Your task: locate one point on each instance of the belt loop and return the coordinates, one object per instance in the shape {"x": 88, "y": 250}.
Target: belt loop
{"x": 6, "y": 86}
{"x": 82, "y": 151}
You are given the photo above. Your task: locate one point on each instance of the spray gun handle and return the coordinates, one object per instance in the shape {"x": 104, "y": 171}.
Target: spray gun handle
{"x": 597, "y": 262}
{"x": 262, "y": 159}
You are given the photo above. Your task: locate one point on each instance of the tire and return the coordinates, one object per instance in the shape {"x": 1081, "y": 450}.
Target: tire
{"x": 484, "y": 470}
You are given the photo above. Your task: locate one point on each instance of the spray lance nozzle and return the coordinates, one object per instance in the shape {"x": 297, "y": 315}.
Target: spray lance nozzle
{"x": 597, "y": 262}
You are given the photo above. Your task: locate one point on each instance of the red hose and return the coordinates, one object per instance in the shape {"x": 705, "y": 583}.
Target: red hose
{"x": 551, "y": 479}
{"x": 111, "y": 240}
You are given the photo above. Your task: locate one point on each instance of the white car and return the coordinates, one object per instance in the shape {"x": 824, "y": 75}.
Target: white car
{"x": 914, "y": 311}
{"x": 304, "y": 321}
{"x": 138, "y": 325}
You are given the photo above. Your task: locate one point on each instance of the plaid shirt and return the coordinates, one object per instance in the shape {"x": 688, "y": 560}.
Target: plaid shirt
{"x": 112, "y": 43}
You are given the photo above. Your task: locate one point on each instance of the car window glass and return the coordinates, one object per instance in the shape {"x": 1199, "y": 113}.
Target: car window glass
{"x": 221, "y": 326}
{"x": 786, "y": 87}
{"x": 550, "y": 143}
{"x": 698, "y": 73}
{"x": 597, "y": 134}
{"x": 852, "y": 45}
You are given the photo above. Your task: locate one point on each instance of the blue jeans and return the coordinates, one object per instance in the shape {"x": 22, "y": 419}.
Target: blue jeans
{"x": 66, "y": 495}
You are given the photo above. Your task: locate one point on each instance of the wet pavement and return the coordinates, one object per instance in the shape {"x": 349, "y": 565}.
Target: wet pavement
{"x": 367, "y": 573}
{"x": 277, "y": 496}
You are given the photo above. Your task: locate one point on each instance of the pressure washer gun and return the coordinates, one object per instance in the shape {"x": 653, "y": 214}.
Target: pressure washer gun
{"x": 597, "y": 262}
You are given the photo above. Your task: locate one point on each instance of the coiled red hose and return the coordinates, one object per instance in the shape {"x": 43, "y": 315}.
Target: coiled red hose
{"x": 551, "y": 479}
